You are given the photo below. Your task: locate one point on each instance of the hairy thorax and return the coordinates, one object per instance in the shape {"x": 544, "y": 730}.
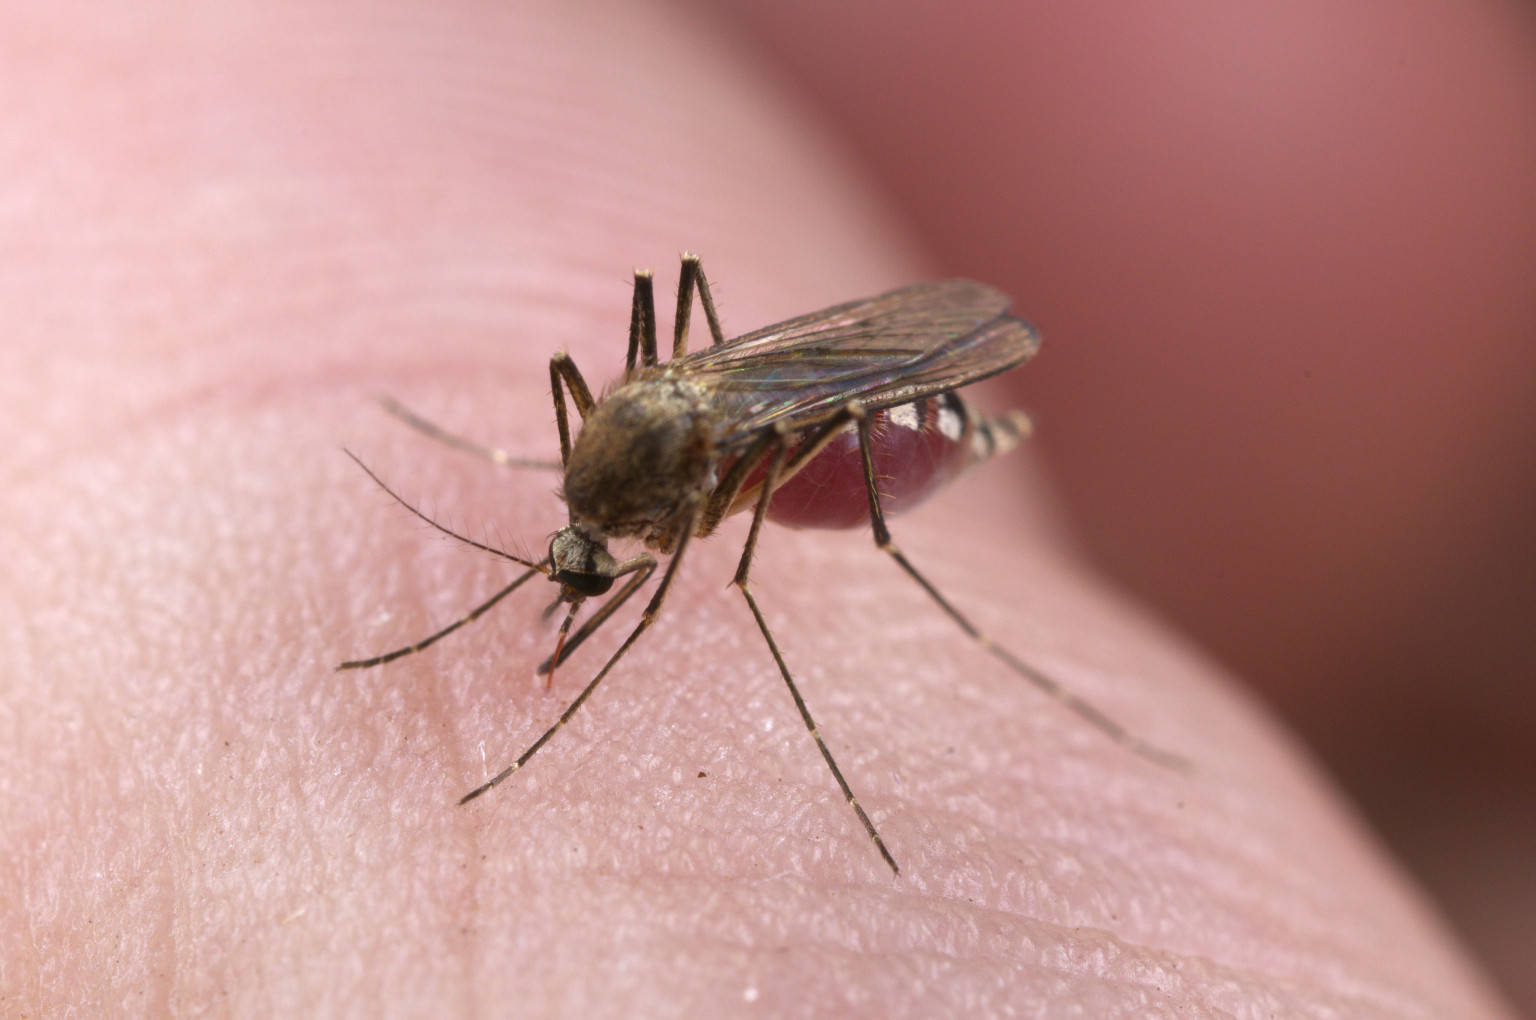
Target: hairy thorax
{"x": 645, "y": 458}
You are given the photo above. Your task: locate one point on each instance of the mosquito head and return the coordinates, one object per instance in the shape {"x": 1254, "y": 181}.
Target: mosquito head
{"x": 581, "y": 564}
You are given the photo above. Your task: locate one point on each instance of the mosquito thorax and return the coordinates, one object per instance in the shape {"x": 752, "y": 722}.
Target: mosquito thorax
{"x": 644, "y": 456}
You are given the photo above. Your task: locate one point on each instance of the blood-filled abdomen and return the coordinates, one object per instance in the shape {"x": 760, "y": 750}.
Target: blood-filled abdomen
{"x": 915, "y": 449}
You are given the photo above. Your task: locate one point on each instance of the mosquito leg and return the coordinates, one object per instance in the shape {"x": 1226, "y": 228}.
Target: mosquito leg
{"x": 1086, "y": 711}
{"x": 724, "y": 495}
{"x": 692, "y": 276}
{"x": 472, "y": 615}
{"x": 494, "y": 454}
{"x": 563, "y": 370}
{"x": 686, "y": 280}
{"x": 646, "y": 619}
{"x": 642, "y": 323}
{"x": 741, "y": 581}
{"x": 643, "y": 567}
{"x": 722, "y": 501}
{"x": 708, "y": 301}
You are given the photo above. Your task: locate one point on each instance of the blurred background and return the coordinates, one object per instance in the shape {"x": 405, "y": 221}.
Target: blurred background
{"x": 1284, "y": 258}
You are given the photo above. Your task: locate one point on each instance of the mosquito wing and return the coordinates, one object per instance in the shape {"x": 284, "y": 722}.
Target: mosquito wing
{"x": 882, "y": 351}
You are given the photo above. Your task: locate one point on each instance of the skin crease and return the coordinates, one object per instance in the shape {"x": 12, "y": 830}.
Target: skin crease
{"x": 228, "y": 229}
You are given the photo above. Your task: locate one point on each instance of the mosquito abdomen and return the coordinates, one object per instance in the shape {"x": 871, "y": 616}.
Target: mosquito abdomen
{"x": 916, "y": 449}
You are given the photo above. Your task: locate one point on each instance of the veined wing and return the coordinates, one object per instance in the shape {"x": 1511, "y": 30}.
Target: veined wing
{"x": 881, "y": 351}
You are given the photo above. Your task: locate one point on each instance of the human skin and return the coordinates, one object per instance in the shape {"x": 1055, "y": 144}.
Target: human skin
{"x": 228, "y": 230}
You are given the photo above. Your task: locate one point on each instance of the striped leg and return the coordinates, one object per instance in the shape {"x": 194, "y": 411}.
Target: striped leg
{"x": 995, "y": 436}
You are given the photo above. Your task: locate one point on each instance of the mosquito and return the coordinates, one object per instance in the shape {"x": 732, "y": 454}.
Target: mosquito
{"x": 837, "y": 418}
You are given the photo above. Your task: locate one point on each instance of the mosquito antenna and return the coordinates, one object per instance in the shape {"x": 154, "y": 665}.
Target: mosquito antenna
{"x": 542, "y": 566}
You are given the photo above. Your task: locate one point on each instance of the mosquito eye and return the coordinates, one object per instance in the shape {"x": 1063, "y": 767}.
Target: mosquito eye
{"x": 584, "y": 584}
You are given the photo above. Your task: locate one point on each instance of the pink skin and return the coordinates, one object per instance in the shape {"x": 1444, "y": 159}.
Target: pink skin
{"x": 229, "y": 230}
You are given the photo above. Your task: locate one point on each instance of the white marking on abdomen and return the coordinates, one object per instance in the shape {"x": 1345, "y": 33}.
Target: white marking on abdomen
{"x": 905, "y": 416}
